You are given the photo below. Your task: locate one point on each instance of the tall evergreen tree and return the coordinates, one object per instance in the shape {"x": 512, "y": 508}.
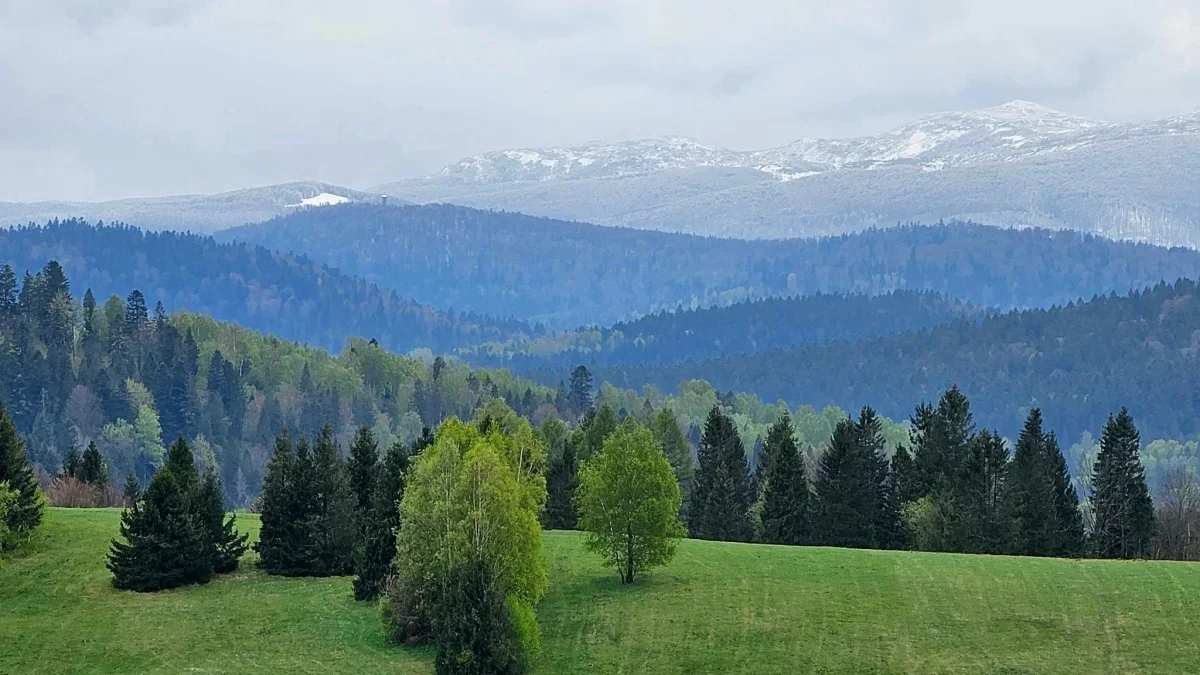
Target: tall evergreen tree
{"x": 164, "y": 546}
{"x": 562, "y": 479}
{"x": 70, "y": 466}
{"x": 940, "y": 436}
{"x": 376, "y": 548}
{"x": 845, "y": 498}
{"x": 979, "y": 492}
{"x": 225, "y": 544}
{"x": 16, "y": 470}
{"x": 785, "y": 486}
{"x": 132, "y": 490}
{"x": 723, "y": 490}
{"x": 666, "y": 430}
{"x": 92, "y": 469}
{"x": 579, "y": 396}
{"x": 8, "y": 295}
{"x": 1040, "y": 503}
{"x": 473, "y": 626}
{"x": 334, "y": 517}
{"x": 362, "y": 467}
{"x": 1124, "y": 513}
{"x": 286, "y": 543}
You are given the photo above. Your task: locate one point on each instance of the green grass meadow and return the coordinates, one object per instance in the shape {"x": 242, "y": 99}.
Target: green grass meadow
{"x": 718, "y": 608}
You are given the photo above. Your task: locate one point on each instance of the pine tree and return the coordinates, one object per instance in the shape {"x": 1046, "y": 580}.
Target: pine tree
{"x": 334, "y": 517}
{"x": 376, "y": 548}
{"x": 287, "y": 543}
{"x": 579, "y": 397}
{"x": 1124, "y": 512}
{"x": 92, "y": 469}
{"x": 562, "y": 479}
{"x": 362, "y": 467}
{"x": 226, "y": 545}
{"x": 164, "y": 546}
{"x": 132, "y": 490}
{"x": 1040, "y": 504}
{"x": 723, "y": 490}
{"x": 979, "y": 492}
{"x": 70, "y": 467}
{"x": 785, "y": 487}
{"x": 16, "y": 470}
{"x": 667, "y": 432}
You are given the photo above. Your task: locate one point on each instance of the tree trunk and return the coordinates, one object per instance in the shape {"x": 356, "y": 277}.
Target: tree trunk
{"x": 629, "y": 554}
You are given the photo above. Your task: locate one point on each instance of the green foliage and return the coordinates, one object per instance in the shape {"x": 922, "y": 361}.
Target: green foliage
{"x": 473, "y": 628}
{"x": 562, "y": 479}
{"x": 854, "y": 503}
{"x": 474, "y": 495}
{"x": 8, "y": 503}
{"x": 226, "y": 545}
{"x": 723, "y": 491}
{"x": 307, "y": 510}
{"x": 785, "y": 492}
{"x": 362, "y": 467}
{"x": 666, "y": 430}
{"x": 1124, "y": 513}
{"x": 164, "y": 547}
{"x": 25, "y": 514}
{"x": 629, "y": 502}
{"x": 132, "y": 491}
{"x": 376, "y": 547}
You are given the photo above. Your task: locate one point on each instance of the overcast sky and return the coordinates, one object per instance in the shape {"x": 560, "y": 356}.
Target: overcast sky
{"x": 150, "y": 97}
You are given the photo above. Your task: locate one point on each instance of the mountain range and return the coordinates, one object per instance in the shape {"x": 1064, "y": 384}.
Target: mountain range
{"x": 1016, "y": 164}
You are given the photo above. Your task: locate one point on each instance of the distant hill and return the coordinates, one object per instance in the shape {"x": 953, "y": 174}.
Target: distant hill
{"x": 574, "y": 274}
{"x": 742, "y": 328}
{"x": 1019, "y": 163}
{"x": 287, "y": 295}
{"x": 1077, "y": 362}
{"x": 196, "y": 213}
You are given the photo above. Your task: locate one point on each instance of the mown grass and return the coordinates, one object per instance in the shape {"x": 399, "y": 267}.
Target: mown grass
{"x": 718, "y": 608}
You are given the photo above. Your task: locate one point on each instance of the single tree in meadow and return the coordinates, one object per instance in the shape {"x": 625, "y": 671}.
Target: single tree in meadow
{"x": 785, "y": 486}
{"x": 628, "y": 502}
{"x": 1124, "y": 512}
{"x": 164, "y": 547}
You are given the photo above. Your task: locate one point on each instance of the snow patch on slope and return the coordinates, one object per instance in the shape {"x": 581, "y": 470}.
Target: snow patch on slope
{"x": 323, "y": 199}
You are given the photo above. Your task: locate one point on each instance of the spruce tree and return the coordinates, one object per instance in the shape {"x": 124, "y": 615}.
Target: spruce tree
{"x": 667, "y": 432}
{"x": 562, "y": 479}
{"x": 1124, "y": 512}
{"x": 16, "y": 470}
{"x": 286, "y": 543}
{"x": 939, "y": 438}
{"x": 70, "y": 467}
{"x": 1040, "y": 505}
{"x": 376, "y": 548}
{"x": 164, "y": 546}
{"x": 579, "y": 398}
{"x": 723, "y": 490}
{"x": 785, "y": 486}
{"x": 132, "y": 490}
{"x": 92, "y": 469}
{"x": 979, "y": 492}
{"x": 362, "y": 467}
{"x": 182, "y": 463}
{"x": 225, "y": 544}
{"x": 334, "y": 516}
{"x": 473, "y": 628}
{"x": 856, "y": 498}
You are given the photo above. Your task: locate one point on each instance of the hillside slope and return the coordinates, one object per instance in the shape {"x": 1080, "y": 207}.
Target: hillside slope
{"x": 1019, "y": 163}
{"x": 1079, "y": 363}
{"x": 196, "y": 213}
{"x": 741, "y": 328}
{"x": 717, "y": 608}
{"x": 286, "y": 295}
{"x": 574, "y": 274}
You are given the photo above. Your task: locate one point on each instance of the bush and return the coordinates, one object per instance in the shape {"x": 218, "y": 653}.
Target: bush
{"x": 8, "y": 501}
{"x": 72, "y": 493}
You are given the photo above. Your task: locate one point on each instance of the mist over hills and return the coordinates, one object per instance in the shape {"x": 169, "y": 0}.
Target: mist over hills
{"x": 1018, "y": 164}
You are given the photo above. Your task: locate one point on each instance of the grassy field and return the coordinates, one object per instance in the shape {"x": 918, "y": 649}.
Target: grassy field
{"x": 719, "y": 608}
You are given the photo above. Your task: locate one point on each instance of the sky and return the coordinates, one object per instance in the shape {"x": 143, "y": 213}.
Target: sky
{"x": 120, "y": 98}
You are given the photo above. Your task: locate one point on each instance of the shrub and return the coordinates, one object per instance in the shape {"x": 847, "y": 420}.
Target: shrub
{"x": 72, "y": 493}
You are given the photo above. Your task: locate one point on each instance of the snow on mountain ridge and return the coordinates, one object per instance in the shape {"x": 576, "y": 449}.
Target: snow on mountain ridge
{"x": 1004, "y": 133}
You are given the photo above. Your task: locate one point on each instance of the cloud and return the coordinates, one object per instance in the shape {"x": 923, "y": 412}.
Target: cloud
{"x": 135, "y": 97}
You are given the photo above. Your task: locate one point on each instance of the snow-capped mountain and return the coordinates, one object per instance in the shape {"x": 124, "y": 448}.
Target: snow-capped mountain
{"x": 1019, "y": 163}
{"x": 198, "y": 213}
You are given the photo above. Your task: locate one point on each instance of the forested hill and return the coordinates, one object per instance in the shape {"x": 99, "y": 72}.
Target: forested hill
{"x": 1078, "y": 362}
{"x": 574, "y": 274}
{"x": 741, "y": 328}
{"x": 284, "y": 294}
